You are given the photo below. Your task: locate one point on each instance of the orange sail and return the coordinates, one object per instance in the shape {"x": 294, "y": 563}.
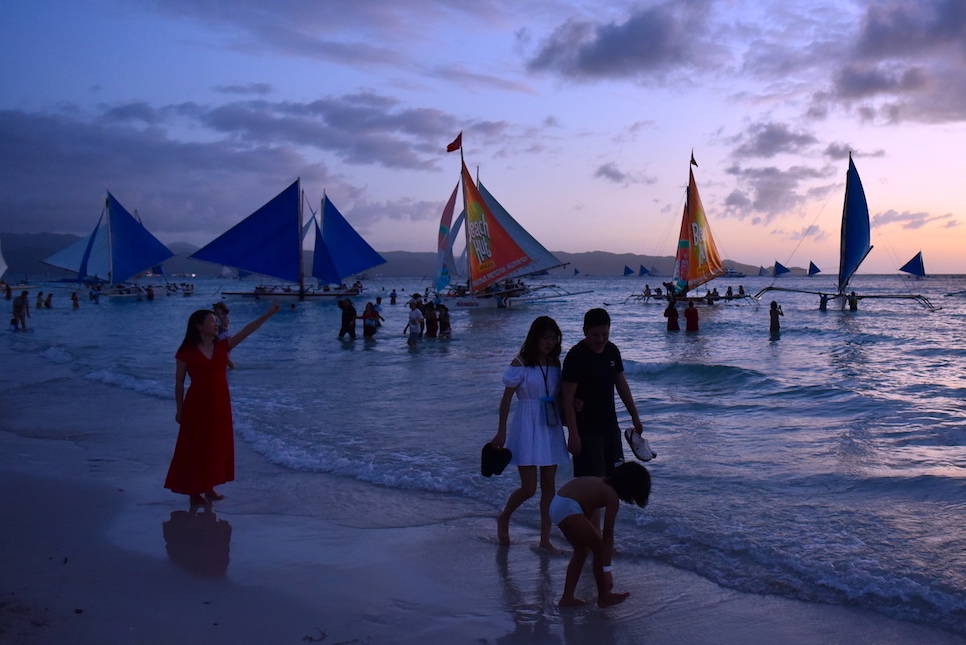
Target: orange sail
{"x": 697, "y": 260}
{"x": 492, "y": 252}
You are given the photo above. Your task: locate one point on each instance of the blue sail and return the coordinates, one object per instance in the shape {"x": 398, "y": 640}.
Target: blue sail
{"x": 322, "y": 266}
{"x": 762, "y": 271}
{"x": 576, "y": 272}
{"x": 133, "y": 248}
{"x": 117, "y": 249}
{"x": 349, "y": 252}
{"x": 643, "y": 271}
{"x": 812, "y": 269}
{"x": 856, "y": 240}
{"x": 779, "y": 269}
{"x": 266, "y": 242}
{"x": 915, "y": 266}
{"x": 628, "y": 270}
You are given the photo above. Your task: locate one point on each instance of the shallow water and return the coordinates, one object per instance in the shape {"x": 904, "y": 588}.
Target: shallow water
{"x": 826, "y": 464}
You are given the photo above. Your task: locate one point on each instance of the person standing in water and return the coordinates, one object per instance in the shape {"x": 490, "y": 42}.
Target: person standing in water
{"x": 204, "y": 455}
{"x": 536, "y": 435}
{"x": 774, "y": 313}
{"x": 671, "y": 313}
{"x": 691, "y": 317}
{"x": 21, "y": 309}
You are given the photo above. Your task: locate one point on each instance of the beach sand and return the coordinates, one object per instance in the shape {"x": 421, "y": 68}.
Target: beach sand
{"x": 94, "y": 550}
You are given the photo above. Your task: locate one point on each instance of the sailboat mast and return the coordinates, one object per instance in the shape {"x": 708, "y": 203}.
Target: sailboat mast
{"x": 466, "y": 228}
{"x": 110, "y": 241}
{"x": 301, "y": 264}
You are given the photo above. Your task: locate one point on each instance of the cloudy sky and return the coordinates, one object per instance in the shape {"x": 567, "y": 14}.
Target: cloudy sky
{"x": 580, "y": 115}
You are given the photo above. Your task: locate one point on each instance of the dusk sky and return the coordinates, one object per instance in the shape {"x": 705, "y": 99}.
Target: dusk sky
{"x": 581, "y": 117}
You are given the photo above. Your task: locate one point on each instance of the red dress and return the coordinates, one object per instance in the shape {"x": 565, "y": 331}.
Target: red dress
{"x": 204, "y": 455}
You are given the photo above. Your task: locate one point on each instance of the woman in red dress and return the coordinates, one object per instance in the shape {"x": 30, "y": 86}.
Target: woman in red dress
{"x": 204, "y": 455}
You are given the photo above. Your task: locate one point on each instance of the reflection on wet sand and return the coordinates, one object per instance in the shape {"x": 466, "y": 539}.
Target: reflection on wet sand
{"x": 198, "y": 541}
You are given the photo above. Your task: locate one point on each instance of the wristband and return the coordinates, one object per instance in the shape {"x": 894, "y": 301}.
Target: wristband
{"x": 607, "y": 568}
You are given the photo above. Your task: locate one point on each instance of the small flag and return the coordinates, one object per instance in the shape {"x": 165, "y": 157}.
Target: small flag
{"x": 457, "y": 143}
{"x": 693, "y": 162}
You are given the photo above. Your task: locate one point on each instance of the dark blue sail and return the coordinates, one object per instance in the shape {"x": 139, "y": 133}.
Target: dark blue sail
{"x": 349, "y": 252}
{"x": 322, "y": 266}
{"x": 915, "y": 266}
{"x": 812, "y": 269}
{"x": 856, "y": 240}
{"x": 266, "y": 242}
{"x": 133, "y": 248}
{"x": 628, "y": 270}
{"x": 643, "y": 271}
{"x": 779, "y": 269}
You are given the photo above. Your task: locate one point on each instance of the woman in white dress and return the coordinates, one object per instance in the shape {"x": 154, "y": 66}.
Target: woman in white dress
{"x": 536, "y": 436}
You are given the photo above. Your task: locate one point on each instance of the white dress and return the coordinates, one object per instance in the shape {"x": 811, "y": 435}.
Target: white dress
{"x": 529, "y": 438}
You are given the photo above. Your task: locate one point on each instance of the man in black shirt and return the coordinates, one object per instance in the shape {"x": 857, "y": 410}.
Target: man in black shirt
{"x": 591, "y": 371}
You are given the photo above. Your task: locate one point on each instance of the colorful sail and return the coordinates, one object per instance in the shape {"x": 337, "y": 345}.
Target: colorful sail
{"x": 780, "y": 269}
{"x": 349, "y": 252}
{"x": 444, "y": 245}
{"x": 812, "y": 269}
{"x": 493, "y": 255}
{"x": 118, "y": 248}
{"x": 856, "y": 239}
{"x": 267, "y": 242}
{"x": 913, "y": 266}
{"x": 697, "y": 260}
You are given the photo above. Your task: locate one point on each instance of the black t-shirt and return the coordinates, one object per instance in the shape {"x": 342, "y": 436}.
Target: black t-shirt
{"x": 595, "y": 376}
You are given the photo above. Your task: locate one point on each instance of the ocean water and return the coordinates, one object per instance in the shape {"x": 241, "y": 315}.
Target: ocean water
{"x": 826, "y": 465}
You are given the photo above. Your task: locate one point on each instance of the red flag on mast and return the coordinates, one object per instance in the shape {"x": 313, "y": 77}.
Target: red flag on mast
{"x": 457, "y": 143}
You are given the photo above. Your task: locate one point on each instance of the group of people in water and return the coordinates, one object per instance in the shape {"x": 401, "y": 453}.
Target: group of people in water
{"x": 578, "y": 393}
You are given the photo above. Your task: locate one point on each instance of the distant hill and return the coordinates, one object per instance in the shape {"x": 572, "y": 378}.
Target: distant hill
{"x": 24, "y": 253}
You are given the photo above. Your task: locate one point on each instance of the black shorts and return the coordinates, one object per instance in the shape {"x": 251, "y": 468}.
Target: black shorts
{"x": 599, "y": 454}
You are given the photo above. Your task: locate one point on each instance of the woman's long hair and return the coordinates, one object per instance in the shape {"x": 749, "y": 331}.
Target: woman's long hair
{"x": 530, "y": 350}
{"x": 192, "y": 337}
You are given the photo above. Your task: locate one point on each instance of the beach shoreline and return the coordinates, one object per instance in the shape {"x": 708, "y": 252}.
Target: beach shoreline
{"x": 310, "y": 554}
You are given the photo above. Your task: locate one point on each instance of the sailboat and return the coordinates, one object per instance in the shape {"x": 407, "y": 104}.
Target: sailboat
{"x": 118, "y": 249}
{"x": 915, "y": 266}
{"x": 812, "y": 269}
{"x": 855, "y": 245}
{"x": 499, "y": 252}
{"x": 696, "y": 260}
{"x": 269, "y": 242}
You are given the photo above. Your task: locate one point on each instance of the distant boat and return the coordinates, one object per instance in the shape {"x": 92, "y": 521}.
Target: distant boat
{"x": 812, "y": 269}
{"x": 118, "y": 249}
{"x": 269, "y": 242}
{"x": 915, "y": 266}
{"x": 696, "y": 261}
{"x": 762, "y": 271}
{"x": 643, "y": 272}
{"x": 733, "y": 273}
{"x": 855, "y": 246}
{"x": 628, "y": 270}
{"x": 499, "y": 252}
{"x": 779, "y": 269}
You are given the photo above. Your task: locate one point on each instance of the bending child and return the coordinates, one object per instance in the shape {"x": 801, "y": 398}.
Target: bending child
{"x": 573, "y": 509}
